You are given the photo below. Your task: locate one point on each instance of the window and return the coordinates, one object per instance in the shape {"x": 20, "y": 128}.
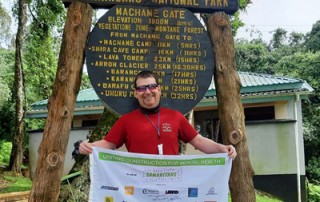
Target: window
{"x": 208, "y": 125}
{"x": 259, "y": 113}
{"x": 89, "y": 123}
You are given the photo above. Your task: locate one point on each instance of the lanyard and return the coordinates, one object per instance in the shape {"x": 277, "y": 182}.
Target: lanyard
{"x": 155, "y": 127}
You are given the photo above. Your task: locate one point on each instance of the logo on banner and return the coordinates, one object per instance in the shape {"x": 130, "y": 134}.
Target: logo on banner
{"x": 109, "y": 188}
{"x": 108, "y": 199}
{"x": 192, "y": 192}
{"x": 150, "y": 192}
{"x": 211, "y": 191}
{"x": 172, "y": 192}
{"x": 163, "y": 174}
{"x": 129, "y": 190}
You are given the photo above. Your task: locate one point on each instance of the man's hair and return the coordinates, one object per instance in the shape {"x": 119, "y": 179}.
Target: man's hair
{"x": 145, "y": 74}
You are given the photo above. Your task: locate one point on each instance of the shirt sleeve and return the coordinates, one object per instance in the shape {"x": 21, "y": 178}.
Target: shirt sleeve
{"x": 117, "y": 133}
{"x": 186, "y": 131}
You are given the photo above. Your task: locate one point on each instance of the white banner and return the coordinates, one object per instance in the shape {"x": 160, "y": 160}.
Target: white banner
{"x": 130, "y": 177}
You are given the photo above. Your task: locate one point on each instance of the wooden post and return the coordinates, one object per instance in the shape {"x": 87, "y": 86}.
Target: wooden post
{"x": 231, "y": 113}
{"x": 46, "y": 184}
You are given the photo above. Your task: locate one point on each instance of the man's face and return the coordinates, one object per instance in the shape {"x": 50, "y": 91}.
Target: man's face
{"x": 148, "y": 97}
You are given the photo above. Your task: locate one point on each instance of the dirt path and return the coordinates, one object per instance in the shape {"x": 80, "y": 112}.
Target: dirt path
{"x": 15, "y": 197}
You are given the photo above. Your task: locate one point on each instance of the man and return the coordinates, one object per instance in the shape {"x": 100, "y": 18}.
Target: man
{"x": 152, "y": 129}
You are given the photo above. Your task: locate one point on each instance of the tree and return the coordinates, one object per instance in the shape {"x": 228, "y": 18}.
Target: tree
{"x": 17, "y": 144}
{"x": 313, "y": 40}
{"x": 253, "y": 57}
{"x": 231, "y": 113}
{"x": 278, "y": 39}
{"x": 41, "y": 52}
{"x": 297, "y": 40}
{"x": 52, "y": 150}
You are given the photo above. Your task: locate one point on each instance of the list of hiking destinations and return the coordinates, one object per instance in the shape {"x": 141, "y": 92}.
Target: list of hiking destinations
{"x": 170, "y": 41}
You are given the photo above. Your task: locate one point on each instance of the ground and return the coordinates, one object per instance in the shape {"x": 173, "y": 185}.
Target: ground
{"x": 3, "y": 183}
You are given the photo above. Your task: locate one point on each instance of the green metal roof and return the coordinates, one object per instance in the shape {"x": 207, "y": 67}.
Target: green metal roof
{"x": 86, "y": 98}
{"x": 262, "y": 84}
{"x": 254, "y": 86}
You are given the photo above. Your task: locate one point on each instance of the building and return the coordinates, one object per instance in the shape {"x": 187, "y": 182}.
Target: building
{"x": 273, "y": 119}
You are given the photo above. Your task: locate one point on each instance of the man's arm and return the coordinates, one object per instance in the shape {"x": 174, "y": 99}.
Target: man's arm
{"x": 86, "y": 147}
{"x": 209, "y": 146}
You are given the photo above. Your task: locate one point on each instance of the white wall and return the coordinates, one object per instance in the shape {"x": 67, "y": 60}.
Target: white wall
{"x": 35, "y": 140}
{"x": 272, "y": 148}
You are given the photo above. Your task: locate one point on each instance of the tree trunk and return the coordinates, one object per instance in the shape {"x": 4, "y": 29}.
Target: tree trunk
{"x": 231, "y": 113}
{"x": 46, "y": 184}
{"x": 17, "y": 144}
{"x": 77, "y": 189}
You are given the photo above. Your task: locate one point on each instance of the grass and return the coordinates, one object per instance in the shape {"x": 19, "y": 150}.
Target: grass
{"x": 10, "y": 182}
{"x": 262, "y": 197}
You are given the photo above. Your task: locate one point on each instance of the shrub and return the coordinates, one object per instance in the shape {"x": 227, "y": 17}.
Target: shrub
{"x": 313, "y": 193}
{"x": 5, "y": 148}
{"x": 313, "y": 169}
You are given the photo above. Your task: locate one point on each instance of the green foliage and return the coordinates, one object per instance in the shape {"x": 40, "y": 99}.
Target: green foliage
{"x": 279, "y": 38}
{"x": 313, "y": 193}
{"x": 6, "y": 67}
{"x": 6, "y": 87}
{"x": 85, "y": 82}
{"x": 252, "y": 57}
{"x": 41, "y": 50}
{"x": 5, "y": 148}
{"x": 297, "y": 39}
{"x": 6, "y": 121}
{"x": 35, "y": 124}
{"x": 313, "y": 169}
{"x": 5, "y": 92}
{"x": 41, "y": 67}
{"x": 313, "y": 40}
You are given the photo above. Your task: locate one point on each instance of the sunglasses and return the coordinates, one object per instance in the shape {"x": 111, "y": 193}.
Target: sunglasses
{"x": 151, "y": 87}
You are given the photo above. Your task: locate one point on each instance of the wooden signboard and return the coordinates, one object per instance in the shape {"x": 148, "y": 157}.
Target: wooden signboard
{"x": 202, "y": 6}
{"x": 169, "y": 41}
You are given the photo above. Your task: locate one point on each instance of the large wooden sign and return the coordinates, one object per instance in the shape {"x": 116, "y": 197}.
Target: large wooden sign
{"x": 169, "y": 41}
{"x": 203, "y": 6}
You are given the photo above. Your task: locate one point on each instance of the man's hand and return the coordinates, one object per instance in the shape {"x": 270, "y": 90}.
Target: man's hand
{"x": 85, "y": 147}
{"x": 209, "y": 146}
{"x": 232, "y": 153}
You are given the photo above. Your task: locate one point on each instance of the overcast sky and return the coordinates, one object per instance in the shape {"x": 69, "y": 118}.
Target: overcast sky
{"x": 268, "y": 15}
